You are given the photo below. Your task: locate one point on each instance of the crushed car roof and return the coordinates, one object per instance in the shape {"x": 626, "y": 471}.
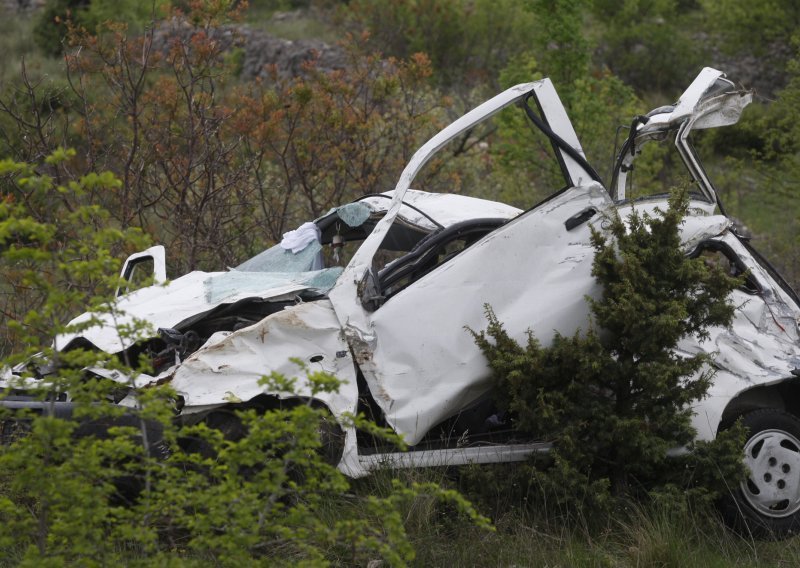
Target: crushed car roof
{"x": 275, "y": 273}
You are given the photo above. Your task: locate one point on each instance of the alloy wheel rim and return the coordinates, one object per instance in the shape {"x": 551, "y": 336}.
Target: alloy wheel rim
{"x": 772, "y": 487}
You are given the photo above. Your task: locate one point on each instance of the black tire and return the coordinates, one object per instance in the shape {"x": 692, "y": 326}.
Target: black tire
{"x": 332, "y": 438}
{"x": 226, "y": 420}
{"x": 767, "y": 503}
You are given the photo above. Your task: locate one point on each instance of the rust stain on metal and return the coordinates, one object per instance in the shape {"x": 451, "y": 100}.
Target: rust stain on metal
{"x": 293, "y": 320}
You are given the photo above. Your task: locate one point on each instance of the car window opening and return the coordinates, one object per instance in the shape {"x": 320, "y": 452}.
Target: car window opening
{"x": 716, "y": 254}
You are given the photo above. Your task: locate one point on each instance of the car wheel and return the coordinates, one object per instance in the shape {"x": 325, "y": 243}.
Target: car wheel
{"x": 767, "y": 501}
{"x": 332, "y": 439}
{"x": 226, "y": 420}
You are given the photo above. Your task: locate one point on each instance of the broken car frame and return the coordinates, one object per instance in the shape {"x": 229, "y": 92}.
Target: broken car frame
{"x": 394, "y": 333}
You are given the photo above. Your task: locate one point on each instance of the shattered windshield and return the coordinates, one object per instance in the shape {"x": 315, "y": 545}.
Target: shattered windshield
{"x": 296, "y": 260}
{"x": 279, "y": 259}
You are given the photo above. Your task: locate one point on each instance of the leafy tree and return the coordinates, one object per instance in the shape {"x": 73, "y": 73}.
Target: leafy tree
{"x": 468, "y": 42}
{"x": 56, "y": 245}
{"x": 52, "y": 29}
{"x": 214, "y": 168}
{"x": 130, "y": 484}
{"x": 331, "y": 137}
{"x": 562, "y": 48}
{"x": 616, "y": 397}
{"x": 596, "y": 100}
{"x": 754, "y": 27}
{"x": 780, "y": 125}
{"x": 761, "y": 170}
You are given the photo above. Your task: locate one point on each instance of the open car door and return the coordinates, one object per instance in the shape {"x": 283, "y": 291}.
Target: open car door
{"x": 409, "y": 336}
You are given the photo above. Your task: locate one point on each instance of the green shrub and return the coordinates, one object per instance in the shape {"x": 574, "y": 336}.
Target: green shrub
{"x": 596, "y": 101}
{"x": 468, "y": 42}
{"x": 752, "y": 26}
{"x": 616, "y": 397}
{"x": 650, "y": 44}
{"x": 53, "y": 23}
{"x": 52, "y": 26}
{"x": 132, "y": 484}
{"x": 264, "y": 498}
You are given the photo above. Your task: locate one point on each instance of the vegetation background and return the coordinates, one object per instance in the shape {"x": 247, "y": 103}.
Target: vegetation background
{"x": 227, "y": 124}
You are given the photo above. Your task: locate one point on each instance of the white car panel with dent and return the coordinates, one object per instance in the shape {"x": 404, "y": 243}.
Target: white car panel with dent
{"x": 229, "y": 369}
{"x": 424, "y": 366}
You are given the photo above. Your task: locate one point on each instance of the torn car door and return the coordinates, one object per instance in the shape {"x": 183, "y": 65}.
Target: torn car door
{"x": 710, "y": 101}
{"x": 533, "y": 272}
{"x": 419, "y": 361}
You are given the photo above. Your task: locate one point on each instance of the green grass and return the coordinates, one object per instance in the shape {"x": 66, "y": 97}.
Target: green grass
{"x": 16, "y": 45}
{"x": 646, "y": 536}
{"x": 637, "y": 535}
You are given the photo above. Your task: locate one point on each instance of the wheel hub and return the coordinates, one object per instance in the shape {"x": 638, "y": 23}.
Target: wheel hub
{"x": 773, "y": 484}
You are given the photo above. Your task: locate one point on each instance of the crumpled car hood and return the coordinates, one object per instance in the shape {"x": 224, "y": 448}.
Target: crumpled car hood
{"x": 189, "y": 296}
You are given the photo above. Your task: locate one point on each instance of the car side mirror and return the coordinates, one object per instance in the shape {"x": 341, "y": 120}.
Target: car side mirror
{"x": 145, "y": 267}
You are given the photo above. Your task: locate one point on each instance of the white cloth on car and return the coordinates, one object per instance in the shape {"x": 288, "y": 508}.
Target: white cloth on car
{"x": 301, "y": 237}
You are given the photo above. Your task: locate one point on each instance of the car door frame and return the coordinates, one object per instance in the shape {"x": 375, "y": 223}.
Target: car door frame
{"x": 349, "y": 294}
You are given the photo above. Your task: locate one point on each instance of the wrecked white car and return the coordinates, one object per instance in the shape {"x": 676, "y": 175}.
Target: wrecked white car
{"x": 391, "y": 322}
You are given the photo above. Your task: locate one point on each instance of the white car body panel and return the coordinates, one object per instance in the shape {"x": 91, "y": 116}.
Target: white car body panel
{"x": 230, "y": 366}
{"x": 170, "y": 303}
{"x": 344, "y": 296}
{"x": 166, "y": 306}
{"x": 444, "y": 208}
{"x": 532, "y": 271}
{"x": 362, "y": 329}
{"x": 760, "y": 348}
{"x": 699, "y": 107}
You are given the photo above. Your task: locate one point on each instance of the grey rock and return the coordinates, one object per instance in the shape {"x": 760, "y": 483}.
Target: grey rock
{"x": 262, "y": 50}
